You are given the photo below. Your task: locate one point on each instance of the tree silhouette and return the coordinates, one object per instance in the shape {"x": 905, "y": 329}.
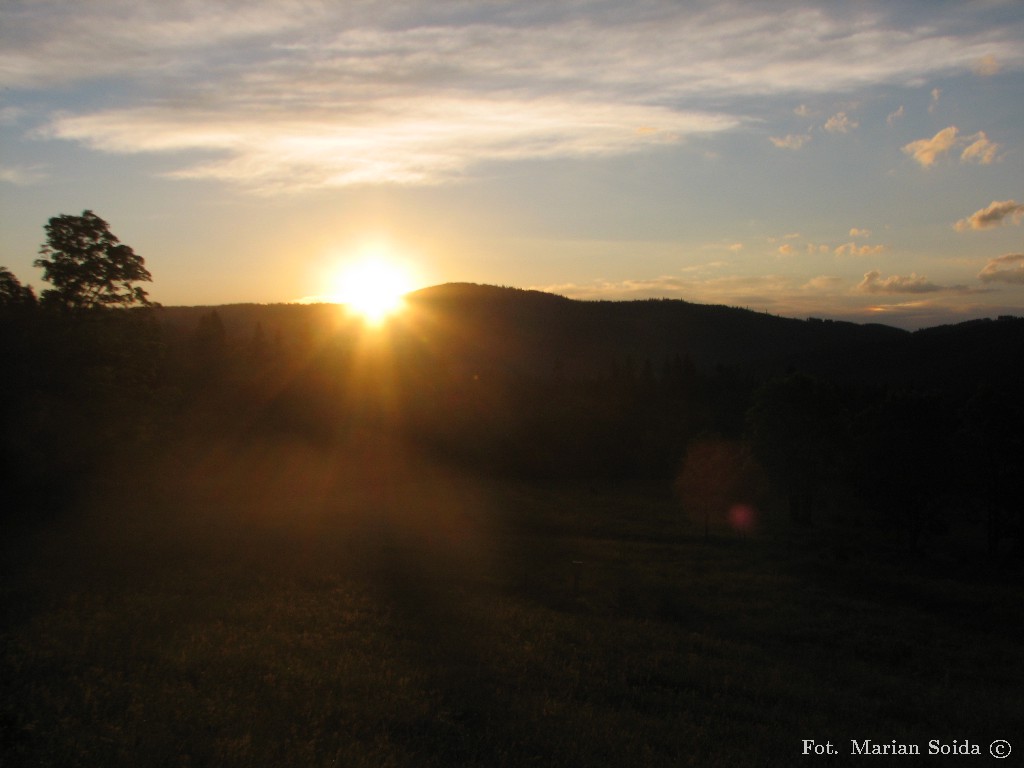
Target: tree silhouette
{"x": 12, "y": 292}
{"x": 799, "y": 426}
{"x": 905, "y": 460}
{"x": 993, "y": 454}
{"x": 88, "y": 266}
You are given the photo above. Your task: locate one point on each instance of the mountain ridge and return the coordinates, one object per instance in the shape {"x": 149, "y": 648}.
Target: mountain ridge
{"x": 531, "y": 330}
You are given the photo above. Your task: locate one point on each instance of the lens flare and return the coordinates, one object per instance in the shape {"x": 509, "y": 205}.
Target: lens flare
{"x": 742, "y": 517}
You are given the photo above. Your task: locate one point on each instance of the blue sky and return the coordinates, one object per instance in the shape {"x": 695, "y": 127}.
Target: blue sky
{"x": 859, "y": 160}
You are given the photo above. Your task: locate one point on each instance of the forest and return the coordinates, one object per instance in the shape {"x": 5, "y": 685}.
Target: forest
{"x": 905, "y": 432}
{"x": 502, "y": 528}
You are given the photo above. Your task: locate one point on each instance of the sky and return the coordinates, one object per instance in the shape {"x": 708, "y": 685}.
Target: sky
{"x": 857, "y": 160}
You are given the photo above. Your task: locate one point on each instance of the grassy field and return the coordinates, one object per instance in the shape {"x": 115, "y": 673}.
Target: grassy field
{"x": 288, "y": 606}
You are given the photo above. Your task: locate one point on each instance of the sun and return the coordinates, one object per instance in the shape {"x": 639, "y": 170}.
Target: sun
{"x": 373, "y": 288}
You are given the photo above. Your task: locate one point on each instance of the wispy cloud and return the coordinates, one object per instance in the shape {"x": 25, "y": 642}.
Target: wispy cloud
{"x": 987, "y": 66}
{"x": 404, "y": 141}
{"x": 873, "y": 282}
{"x": 23, "y": 176}
{"x": 995, "y": 214}
{"x": 300, "y": 94}
{"x": 1008, "y": 268}
{"x": 737, "y": 290}
{"x": 823, "y": 283}
{"x": 790, "y": 141}
{"x": 852, "y": 249}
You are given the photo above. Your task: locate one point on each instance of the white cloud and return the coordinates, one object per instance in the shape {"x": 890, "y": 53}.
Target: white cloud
{"x": 927, "y": 151}
{"x": 1008, "y": 268}
{"x": 857, "y": 232}
{"x": 791, "y": 141}
{"x": 895, "y": 115}
{"x": 840, "y": 123}
{"x": 49, "y": 42}
{"x": 976, "y": 148}
{"x": 873, "y": 282}
{"x": 286, "y": 93}
{"x": 852, "y": 249}
{"x": 23, "y": 176}
{"x": 995, "y": 214}
{"x": 404, "y": 141}
{"x": 981, "y": 150}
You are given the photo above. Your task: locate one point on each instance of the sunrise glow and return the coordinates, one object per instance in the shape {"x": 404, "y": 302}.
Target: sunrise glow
{"x": 814, "y": 159}
{"x": 373, "y": 287}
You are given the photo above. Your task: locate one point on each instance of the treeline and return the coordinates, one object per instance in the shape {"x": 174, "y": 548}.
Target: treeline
{"x": 913, "y": 434}
{"x": 81, "y": 364}
{"x": 914, "y": 448}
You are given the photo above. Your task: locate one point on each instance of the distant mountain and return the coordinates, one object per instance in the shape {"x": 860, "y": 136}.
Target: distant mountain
{"x": 581, "y": 334}
{"x": 533, "y": 333}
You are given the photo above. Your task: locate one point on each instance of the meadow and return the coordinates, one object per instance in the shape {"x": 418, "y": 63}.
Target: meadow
{"x": 278, "y": 603}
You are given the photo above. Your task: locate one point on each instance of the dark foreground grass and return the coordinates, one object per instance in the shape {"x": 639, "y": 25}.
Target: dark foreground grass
{"x": 290, "y": 608}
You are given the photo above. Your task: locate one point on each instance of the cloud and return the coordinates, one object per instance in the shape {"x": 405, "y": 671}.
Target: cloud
{"x": 873, "y": 282}
{"x": 927, "y": 151}
{"x": 401, "y": 141}
{"x": 1008, "y": 268}
{"x": 55, "y": 44}
{"x": 978, "y": 148}
{"x": 895, "y": 115}
{"x": 987, "y": 66}
{"x": 840, "y": 123}
{"x": 995, "y": 214}
{"x": 23, "y": 176}
{"x": 735, "y": 290}
{"x": 856, "y": 232}
{"x": 936, "y": 95}
{"x": 823, "y": 283}
{"x": 852, "y": 249}
{"x": 981, "y": 150}
{"x": 792, "y": 141}
{"x": 284, "y": 94}
{"x": 786, "y": 249}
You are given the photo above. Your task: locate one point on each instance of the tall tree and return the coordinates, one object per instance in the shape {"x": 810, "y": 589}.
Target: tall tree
{"x": 12, "y": 292}
{"x": 88, "y": 266}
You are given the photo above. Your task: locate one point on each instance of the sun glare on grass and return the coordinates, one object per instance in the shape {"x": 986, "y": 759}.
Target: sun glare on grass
{"x": 373, "y": 288}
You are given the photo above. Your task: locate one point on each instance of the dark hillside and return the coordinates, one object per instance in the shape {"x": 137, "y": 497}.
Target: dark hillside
{"x": 589, "y": 336}
{"x": 535, "y": 381}
{"x": 504, "y": 528}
